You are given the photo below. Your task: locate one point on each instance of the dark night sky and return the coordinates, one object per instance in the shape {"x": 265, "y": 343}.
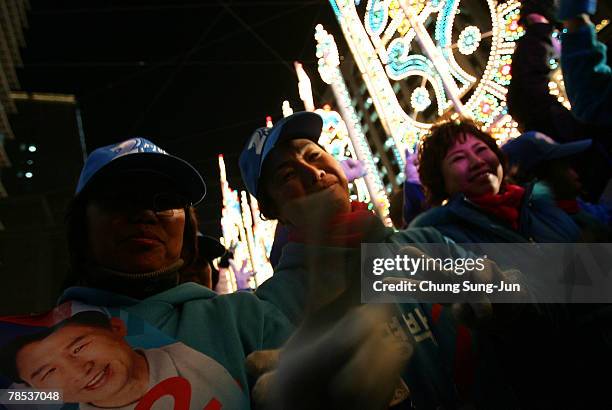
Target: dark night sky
{"x": 195, "y": 77}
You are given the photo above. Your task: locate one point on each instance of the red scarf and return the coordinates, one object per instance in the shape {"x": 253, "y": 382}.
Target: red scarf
{"x": 345, "y": 229}
{"x": 504, "y": 205}
{"x": 570, "y": 206}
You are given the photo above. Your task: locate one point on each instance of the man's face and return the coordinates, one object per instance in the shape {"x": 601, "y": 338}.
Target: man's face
{"x": 126, "y": 234}
{"x": 298, "y": 169}
{"x": 472, "y": 168}
{"x": 88, "y": 364}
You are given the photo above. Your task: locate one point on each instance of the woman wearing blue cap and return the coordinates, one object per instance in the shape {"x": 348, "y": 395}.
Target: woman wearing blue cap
{"x": 132, "y": 232}
{"x": 133, "y": 213}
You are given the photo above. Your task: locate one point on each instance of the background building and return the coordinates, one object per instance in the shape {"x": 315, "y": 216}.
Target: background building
{"x": 46, "y": 158}
{"x": 13, "y": 21}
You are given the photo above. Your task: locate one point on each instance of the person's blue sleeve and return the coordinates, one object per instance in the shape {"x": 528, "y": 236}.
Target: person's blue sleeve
{"x": 588, "y": 78}
{"x": 602, "y": 212}
{"x": 414, "y": 201}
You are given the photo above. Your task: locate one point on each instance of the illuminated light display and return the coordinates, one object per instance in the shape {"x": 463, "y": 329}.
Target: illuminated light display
{"x": 556, "y": 87}
{"x": 392, "y": 42}
{"x": 504, "y": 129}
{"x": 335, "y": 139}
{"x": 488, "y": 107}
{"x": 602, "y": 24}
{"x": 304, "y": 87}
{"x": 469, "y": 40}
{"x": 260, "y": 236}
{"x": 287, "y": 110}
{"x": 419, "y": 99}
{"x": 334, "y": 133}
{"x": 234, "y": 234}
{"x": 329, "y": 70}
{"x": 245, "y": 234}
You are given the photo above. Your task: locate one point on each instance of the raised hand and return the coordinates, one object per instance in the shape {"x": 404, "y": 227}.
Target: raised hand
{"x": 353, "y": 169}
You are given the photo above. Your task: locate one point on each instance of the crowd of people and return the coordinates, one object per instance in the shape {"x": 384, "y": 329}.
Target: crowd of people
{"x": 303, "y": 339}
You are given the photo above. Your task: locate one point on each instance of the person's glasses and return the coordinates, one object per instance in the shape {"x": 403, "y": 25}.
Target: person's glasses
{"x": 163, "y": 204}
{"x": 166, "y": 204}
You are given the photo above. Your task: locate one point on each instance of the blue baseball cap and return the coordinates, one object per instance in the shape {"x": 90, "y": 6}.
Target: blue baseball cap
{"x": 142, "y": 156}
{"x": 299, "y": 125}
{"x": 532, "y": 148}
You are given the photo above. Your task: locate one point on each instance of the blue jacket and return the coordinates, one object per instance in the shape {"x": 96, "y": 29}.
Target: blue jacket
{"x": 603, "y": 213}
{"x": 587, "y": 76}
{"x": 540, "y": 220}
{"x": 414, "y": 201}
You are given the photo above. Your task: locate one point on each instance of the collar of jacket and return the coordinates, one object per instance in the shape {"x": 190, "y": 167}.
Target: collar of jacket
{"x": 178, "y": 295}
{"x": 465, "y": 209}
{"x": 135, "y": 285}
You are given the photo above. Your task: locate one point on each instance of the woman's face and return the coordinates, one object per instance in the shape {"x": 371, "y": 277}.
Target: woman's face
{"x": 127, "y": 235}
{"x": 472, "y": 168}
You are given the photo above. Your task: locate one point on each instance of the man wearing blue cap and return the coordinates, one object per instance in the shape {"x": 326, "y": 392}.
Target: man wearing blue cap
{"x": 534, "y": 155}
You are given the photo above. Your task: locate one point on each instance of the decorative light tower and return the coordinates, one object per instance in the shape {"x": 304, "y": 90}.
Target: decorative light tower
{"x": 234, "y": 234}
{"x": 246, "y": 234}
{"x": 348, "y": 125}
{"x": 427, "y": 45}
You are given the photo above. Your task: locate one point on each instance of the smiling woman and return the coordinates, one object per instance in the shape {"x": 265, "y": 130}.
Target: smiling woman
{"x": 462, "y": 167}
{"x": 470, "y": 166}
{"x": 459, "y": 157}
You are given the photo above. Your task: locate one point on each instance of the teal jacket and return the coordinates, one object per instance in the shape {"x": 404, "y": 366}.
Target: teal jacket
{"x": 587, "y": 75}
{"x": 225, "y": 327}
